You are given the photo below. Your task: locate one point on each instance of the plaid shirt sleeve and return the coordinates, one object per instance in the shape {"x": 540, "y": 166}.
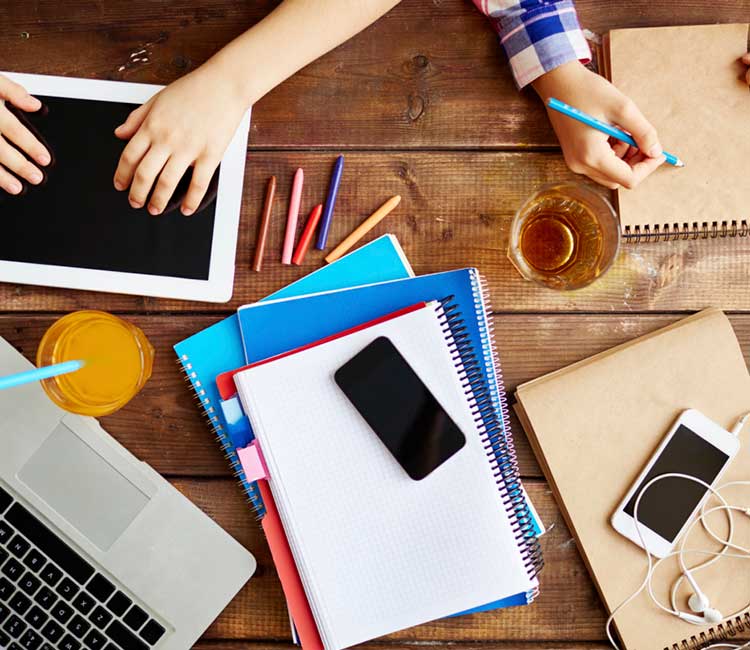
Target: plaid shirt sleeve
{"x": 537, "y": 35}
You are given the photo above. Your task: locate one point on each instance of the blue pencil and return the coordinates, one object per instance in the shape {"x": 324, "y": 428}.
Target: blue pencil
{"x": 333, "y": 188}
{"x": 37, "y": 374}
{"x": 612, "y": 131}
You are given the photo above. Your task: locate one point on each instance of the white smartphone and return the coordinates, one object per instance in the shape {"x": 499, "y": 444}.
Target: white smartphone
{"x": 695, "y": 446}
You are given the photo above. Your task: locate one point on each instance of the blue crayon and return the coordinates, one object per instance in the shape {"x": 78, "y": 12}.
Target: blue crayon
{"x": 333, "y": 188}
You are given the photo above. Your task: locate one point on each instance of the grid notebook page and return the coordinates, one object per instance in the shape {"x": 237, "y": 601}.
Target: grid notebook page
{"x": 377, "y": 551}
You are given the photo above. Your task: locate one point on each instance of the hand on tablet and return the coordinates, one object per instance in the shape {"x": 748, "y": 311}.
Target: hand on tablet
{"x": 16, "y": 140}
{"x": 188, "y": 124}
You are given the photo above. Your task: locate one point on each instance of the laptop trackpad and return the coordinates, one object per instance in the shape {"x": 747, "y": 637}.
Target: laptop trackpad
{"x": 82, "y": 487}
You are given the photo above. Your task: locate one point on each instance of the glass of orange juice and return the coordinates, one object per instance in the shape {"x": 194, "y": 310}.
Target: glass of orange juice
{"x": 118, "y": 361}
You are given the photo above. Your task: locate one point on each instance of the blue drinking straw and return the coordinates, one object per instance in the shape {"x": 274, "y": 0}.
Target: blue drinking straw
{"x": 612, "y": 131}
{"x": 37, "y": 374}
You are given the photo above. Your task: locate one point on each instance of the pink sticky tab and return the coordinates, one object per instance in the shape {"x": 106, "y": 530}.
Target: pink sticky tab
{"x": 252, "y": 462}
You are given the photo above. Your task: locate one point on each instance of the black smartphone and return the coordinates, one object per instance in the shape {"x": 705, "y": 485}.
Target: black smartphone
{"x": 399, "y": 408}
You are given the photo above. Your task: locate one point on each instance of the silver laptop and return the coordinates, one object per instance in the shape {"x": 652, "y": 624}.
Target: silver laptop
{"x": 97, "y": 551}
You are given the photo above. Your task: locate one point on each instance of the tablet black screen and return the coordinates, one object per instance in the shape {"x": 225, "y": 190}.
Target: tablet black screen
{"x": 77, "y": 219}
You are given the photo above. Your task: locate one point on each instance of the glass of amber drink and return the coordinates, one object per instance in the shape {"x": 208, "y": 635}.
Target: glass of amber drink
{"x": 564, "y": 236}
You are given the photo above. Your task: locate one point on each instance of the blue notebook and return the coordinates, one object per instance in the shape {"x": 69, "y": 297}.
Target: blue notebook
{"x": 218, "y": 348}
{"x": 297, "y": 322}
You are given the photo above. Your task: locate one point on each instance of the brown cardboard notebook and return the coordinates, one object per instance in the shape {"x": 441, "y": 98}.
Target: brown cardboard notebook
{"x": 701, "y": 111}
{"x": 595, "y": 424}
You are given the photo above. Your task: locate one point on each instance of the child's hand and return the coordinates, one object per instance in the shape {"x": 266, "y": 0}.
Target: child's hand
{"x": 746, "y": 60}
{"x": 189, "y": 123}
{"x": 586, "y": 150}
{"x": 12, "y": 131}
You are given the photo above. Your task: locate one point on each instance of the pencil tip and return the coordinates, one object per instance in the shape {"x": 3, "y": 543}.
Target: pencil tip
{"x": 680, "y": 164}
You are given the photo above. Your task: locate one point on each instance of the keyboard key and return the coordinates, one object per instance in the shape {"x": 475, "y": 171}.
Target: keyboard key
{"x": 118, "y": 604}
{"x": 31, "y": 640}
{"x": 95, "y": 640}
{"x": 100, "y": 617}
{"x": 6, "y": 532}
{"x": 111, "y": 646}
{"x": 78, "y": 626}
{"x": 83, "y": 603}
{"x": 36, "y": 617}
{"x": 67, "y": 588}
{"x": 5, "y": 500}
{"x": 69, "y": 643}
{"x": 19, "y": 603}
{"x": 34, "y": 560}
{"x": 100, "y": 588}
{"x": 14, "y": 646}
{"x": 29, "y": 583}
{"x": 136, "y": 617}
{"x": 51, "y": 574}
{"x": 45, "y": 597}
{"x": 18, "y": 546}
{"x": 4, "y": 555}
{"x": 14, "y": 626}
{"x": 152, "y": 632}
{"x": 46, "y": 646}
{"x": 4, "y": 613}
{"x": 13, "y": 569}
{"x": 53, "y": 631}
{"x": 49, "y": 544}
{"x": 6, "y": 589}
{"x": 4, "y": 639}
{"x": 62, "y": 611}
{"x": 124, "y": 638}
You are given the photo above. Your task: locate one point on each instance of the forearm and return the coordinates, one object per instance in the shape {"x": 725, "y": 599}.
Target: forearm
{"x": 296, "y": 33}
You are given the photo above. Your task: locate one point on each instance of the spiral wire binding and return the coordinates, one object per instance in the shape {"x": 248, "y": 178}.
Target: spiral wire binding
{"x": 718, "y": 634}
{"x": 493, "y": 429}
{"x": 210, "y": 413}
{"x": 685, "y": 231}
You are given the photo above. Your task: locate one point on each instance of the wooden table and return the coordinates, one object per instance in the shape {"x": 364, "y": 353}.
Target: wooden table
{"x": 423, "y": 105}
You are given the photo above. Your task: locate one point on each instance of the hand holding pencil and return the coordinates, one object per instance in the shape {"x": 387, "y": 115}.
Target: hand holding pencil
{"x": 588, "y": 151}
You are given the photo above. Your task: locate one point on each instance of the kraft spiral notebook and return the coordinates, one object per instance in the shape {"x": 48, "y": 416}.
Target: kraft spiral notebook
{"x": 700, "y": 115}
{"x": 593, "y": 428}
{"x": 376, "y": 550}
{"x": 219, "y": 348}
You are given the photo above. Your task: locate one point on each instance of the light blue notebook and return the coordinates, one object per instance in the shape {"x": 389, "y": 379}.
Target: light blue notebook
{"x": 218, "y": 348}
{"x": 296, "y": 322}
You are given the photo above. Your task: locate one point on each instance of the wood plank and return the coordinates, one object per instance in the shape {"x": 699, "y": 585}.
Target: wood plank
{"x": 456, "y": 212}
{"x": 163, "y": 425}
{"x": 567, "y": 610}
{"x": 429, "y": 74}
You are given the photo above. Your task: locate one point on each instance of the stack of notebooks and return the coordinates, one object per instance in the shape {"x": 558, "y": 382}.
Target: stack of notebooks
{"x": 361, "y": 547}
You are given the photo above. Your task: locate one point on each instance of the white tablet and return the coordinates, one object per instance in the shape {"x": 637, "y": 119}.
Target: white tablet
{"x": 76, "y": 231}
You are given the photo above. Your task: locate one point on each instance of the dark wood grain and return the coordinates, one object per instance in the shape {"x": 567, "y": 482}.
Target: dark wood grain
{"x": 428, "y": 74}
{"x": 456, "y": 212}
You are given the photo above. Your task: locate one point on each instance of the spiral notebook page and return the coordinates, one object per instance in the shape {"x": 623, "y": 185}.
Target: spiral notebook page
{"x": 376, "y": 550}
{"x": 700, "y": 111}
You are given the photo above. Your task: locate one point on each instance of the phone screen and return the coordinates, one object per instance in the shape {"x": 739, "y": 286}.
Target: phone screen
{"x": 399, "y": 408}
{"x": 667, "y": 505}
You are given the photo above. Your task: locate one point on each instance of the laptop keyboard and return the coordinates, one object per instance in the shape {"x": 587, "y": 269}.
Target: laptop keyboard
{"x": 53, "y": 599}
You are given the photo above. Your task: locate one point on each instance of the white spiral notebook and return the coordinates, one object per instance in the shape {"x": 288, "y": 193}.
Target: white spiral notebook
{"x": 376, "y": 550}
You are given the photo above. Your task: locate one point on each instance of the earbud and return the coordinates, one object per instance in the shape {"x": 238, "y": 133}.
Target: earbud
{"x": 709, "y": 617}
{"x": 698, "y": 602}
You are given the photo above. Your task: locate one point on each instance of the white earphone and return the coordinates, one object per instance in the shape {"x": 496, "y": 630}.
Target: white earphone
{"x": 701, "y": 611}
